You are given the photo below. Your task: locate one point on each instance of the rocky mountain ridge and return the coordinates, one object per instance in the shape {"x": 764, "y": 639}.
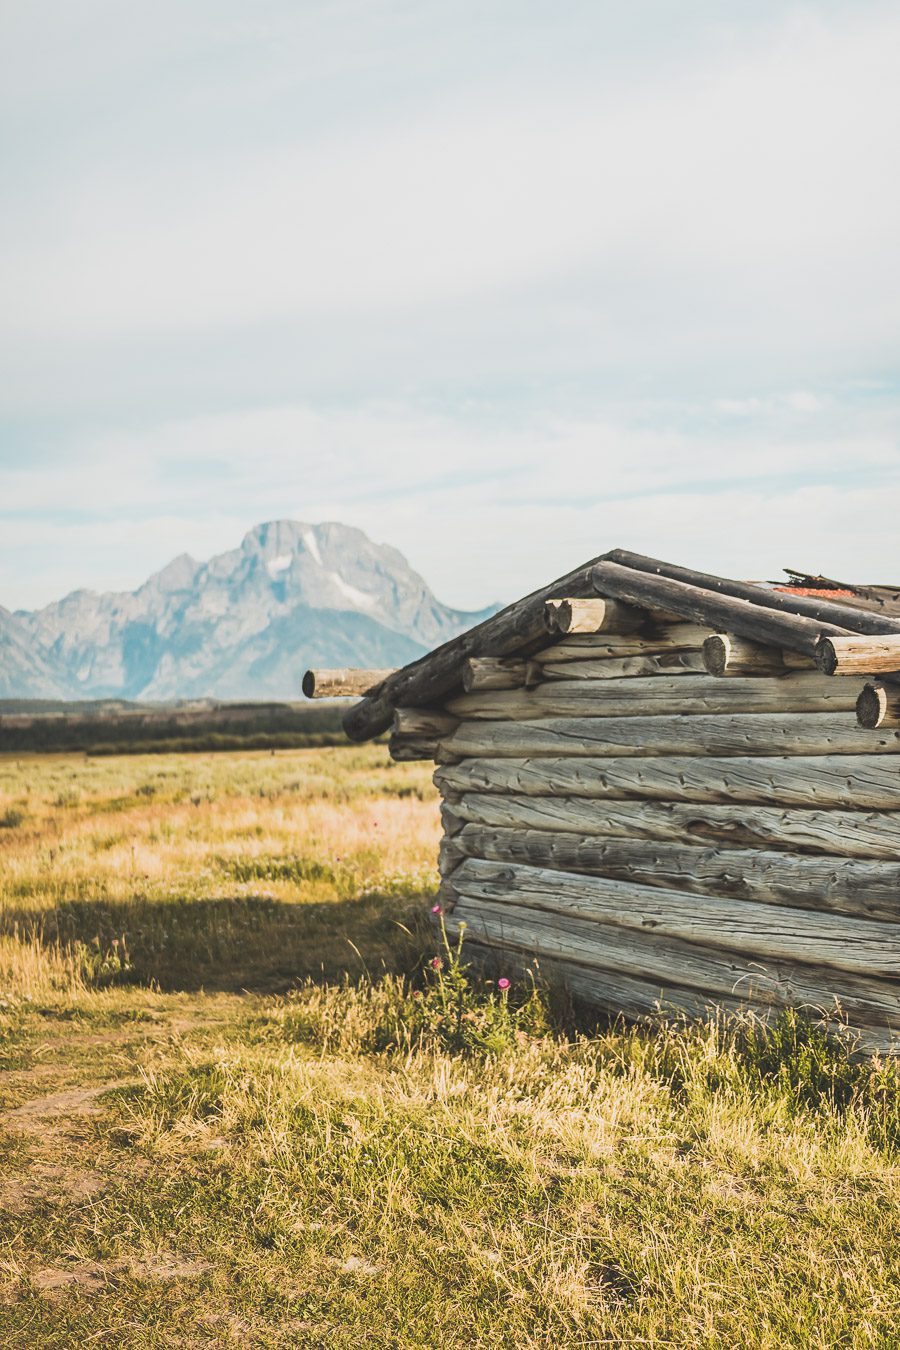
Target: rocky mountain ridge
{"x": 243, "y": 625}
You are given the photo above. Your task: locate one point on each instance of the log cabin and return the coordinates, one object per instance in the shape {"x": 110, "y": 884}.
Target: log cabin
{"x": 668, "y": 789}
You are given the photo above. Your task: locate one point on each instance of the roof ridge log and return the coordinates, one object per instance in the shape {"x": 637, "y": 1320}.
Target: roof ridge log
{"x": 731, "y": 614}
{"x": 844, "y": 616}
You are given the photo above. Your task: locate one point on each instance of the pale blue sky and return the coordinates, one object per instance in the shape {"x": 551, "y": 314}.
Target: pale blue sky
{"x": 505, "y": 284}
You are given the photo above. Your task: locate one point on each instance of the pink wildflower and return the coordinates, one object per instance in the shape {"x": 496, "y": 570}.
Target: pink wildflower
{"x": 435, "y": 909}
{"x": 503, "y": 983}
{"x": 435, "y": 963}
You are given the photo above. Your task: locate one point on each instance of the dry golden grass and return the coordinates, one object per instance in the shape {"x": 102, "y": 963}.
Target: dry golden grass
{"x": 193, "y": 869}
{"x": 237, "y": 1113}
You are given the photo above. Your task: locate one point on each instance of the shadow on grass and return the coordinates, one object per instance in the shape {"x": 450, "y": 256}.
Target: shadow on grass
{"x": 230, "y": 944}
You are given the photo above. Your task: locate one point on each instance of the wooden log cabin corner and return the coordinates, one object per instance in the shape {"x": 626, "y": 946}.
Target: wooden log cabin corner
{"x": 654, "y": 786}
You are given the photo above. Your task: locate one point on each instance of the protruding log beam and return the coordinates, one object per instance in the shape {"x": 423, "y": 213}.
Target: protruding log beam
{"x": 346, "y": 683}
{"x": 878, "y": 706}
{"x": 727, "y": 613}
{"x": 447, "y": 896}
{"x": 494, "y": 672}
{"x": 593, "y": 616}
{"x": 859, "y": 655}
{"x": 423, "y": 722}
{"x": 727, "y": 654}
{"x": 452, "y": 823}
{"x": 451, "y": 853}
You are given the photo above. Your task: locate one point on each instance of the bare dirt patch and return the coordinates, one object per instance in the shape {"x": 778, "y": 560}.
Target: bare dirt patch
{"x": 49, "y": 1182}
{"x": 90, "y": 1276}
{"x": 36, "y": 1115}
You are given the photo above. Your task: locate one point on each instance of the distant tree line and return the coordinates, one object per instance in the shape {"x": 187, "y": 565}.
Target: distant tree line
{"x": 120, "y": 728}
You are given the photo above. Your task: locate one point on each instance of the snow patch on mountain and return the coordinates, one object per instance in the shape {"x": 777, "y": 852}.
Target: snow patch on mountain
{"x": 309, "y": 539}
{"x": 358, "y": 599}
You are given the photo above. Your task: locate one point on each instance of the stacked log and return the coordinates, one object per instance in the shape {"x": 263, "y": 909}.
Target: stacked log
{"x": 827, "y": 781}
{"x": 736, "y": 734}
{"x": 859, "y": 888}
{"x": 843, "y": 833}
{"x": 625, "y": 695}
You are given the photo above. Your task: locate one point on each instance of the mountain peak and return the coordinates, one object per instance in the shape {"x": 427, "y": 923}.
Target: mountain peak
{"x": 176, "y": 575}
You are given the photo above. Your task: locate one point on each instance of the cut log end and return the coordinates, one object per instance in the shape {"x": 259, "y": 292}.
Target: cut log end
{"x": 876, "y": 708}
{"x": 826, "y": 657}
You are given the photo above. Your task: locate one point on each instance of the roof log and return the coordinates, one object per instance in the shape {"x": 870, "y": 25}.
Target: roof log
{"x": 828, "y": 612}
{"x": 728, "y": 613}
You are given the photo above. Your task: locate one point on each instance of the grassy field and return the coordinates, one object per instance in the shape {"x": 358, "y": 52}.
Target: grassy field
{"x": 249, "y": 1101}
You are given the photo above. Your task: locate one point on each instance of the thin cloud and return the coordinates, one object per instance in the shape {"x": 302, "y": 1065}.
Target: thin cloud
{"x": 460, "y": 276}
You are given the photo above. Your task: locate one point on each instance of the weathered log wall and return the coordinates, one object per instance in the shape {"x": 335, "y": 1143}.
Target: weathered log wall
{"x": 656, "y": 834}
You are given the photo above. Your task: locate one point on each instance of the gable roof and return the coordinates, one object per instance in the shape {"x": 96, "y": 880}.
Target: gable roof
{"x": 795, "y": 616}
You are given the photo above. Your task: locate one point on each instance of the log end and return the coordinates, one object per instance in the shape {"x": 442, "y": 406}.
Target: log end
{"x": 715, "y": 654}
{"x": 551, "y": 611}
{"x": 826, "y": 656}
{"x": 872, "y": 707}
{"x": 367, "y": 719}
